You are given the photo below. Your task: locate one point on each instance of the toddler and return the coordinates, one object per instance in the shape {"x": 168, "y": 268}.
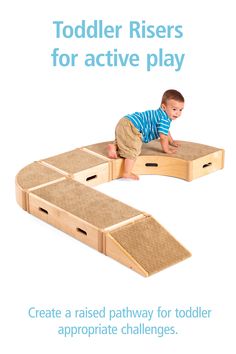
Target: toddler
{"x": 142, "y": 127}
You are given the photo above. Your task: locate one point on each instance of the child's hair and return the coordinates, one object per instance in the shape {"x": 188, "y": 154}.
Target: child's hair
{"x": 172, "y": 95}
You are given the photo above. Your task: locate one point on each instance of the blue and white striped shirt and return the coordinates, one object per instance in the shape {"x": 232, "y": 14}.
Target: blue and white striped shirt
{"x": 150, "y": 123}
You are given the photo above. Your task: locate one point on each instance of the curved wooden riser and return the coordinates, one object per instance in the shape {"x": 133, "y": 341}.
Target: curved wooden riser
{"x": 58, "y": 191}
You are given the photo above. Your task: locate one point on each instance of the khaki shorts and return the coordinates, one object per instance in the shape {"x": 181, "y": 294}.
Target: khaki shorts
{"x": 128, "y": 139}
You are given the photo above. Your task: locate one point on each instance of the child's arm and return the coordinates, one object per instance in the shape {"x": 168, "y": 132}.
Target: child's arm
{"x": 165, "y": 144}
{"x": 173, "y": 142}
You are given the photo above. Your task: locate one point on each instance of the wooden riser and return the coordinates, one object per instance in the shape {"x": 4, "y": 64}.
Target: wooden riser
{"x": 134, "y": 239}
{"x": 61, "y": 219}
{"x": 58, "y": 191}
{"x": 190, "y": 162}
{"x": 207, "y": 164}
{"x": 144, "y": 246}
{"x": 94, "y": 176}
{"x": 32, "y": 177}
{"x": 82, "y": 166}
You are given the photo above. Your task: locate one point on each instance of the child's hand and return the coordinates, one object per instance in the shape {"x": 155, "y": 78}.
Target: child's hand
{"x": 170, "y": 151}
{"x": 175, "y": 143}
{"x": 166, "y": 143}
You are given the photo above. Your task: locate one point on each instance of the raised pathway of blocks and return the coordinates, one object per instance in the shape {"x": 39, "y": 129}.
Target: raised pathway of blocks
{"x": 59, "y": 191}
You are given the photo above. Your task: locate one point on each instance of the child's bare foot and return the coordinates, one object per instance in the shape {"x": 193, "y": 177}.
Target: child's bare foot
{"x": 112, "y": 151}
{"x": 130, "y": 176}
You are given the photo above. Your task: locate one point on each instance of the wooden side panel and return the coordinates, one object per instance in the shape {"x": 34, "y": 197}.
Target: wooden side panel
{"x": 114, "y": 250}
{"x": 21, "y": 196}
{"x": 117, "y": 167}
{"x": 161, "y": 165}
{"x": 65, "y": 221}
{"x": 154, "y": 165}
{"x": 208, "y": 164}
{"x": 94, "y": 176}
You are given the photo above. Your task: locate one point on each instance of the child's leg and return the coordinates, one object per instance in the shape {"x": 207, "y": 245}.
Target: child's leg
{"x": 128, "y": 166}
{"x": 128, "y": 142}
{"x": 112, "y": 153}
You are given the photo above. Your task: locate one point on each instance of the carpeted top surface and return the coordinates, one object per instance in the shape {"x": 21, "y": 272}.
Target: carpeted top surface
{"x": 88, "y": 204}
{"x": 36, "y": 174}
{"x": 188, "y": 151}
{"x": 150, "y": 244}
{"x": 74, "y": 161}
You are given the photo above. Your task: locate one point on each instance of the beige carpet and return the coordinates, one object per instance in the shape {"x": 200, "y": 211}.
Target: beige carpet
{"x": 188, "y": 151}
{"x": 152, "y": 247}
{"x": 88, "y": 204}
{"x": 35, "y": 175}
{"x": 74, "y": 161}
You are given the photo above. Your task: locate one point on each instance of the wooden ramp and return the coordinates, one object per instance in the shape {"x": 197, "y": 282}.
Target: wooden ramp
{"x": 58, "y": 190}
{"x": 144, "y": 246}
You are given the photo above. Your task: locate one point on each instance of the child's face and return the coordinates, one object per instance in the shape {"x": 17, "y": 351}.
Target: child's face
{"x": 173, "y": 108}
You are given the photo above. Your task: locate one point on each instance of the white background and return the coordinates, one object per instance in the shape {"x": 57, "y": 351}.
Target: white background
{"x": 46, "y": 111}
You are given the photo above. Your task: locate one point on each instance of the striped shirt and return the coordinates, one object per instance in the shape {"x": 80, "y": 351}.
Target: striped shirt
{"x": 150, "y": 123}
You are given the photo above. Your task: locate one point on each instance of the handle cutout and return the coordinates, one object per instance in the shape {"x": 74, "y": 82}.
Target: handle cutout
{"x": 151, "y": 164}
{"x": 43, "y": 210}
{"x": 91, "y": 177}
{"x": 206, "y": 165}
{"x": 81, "y": 231}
